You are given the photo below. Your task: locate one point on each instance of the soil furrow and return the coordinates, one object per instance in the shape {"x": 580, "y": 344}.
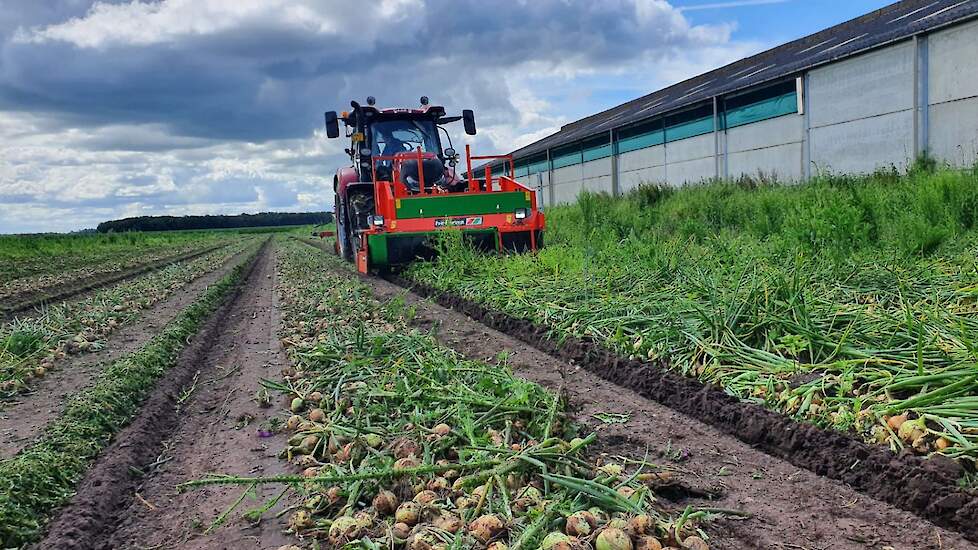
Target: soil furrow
{"x": 202, "y": 419}
{"x": 21, "y": 420}
{"x": 142, "y": 454}
{"x": 791, "y": 508}
{"x": 70, "y": 289}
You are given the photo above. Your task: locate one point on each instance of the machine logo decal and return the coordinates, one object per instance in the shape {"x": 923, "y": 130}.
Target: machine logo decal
{"x": 458, "y": 222}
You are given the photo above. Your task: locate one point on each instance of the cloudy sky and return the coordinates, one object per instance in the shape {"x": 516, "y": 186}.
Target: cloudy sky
{"x": 120, "y": 108}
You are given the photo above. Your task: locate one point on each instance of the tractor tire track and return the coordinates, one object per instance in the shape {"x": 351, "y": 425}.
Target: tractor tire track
{"x": 22, "y": 418}
{"x": 202, "y": 419}
{"x": 128, "y": 497}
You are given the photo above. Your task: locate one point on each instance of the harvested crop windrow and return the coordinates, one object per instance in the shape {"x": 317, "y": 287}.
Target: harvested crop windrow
{"x": 846, "y": 303}
{"x": 399, "y": 441}
{"x": 42, "y": 477}
{"x": 33, "y": 263}
{"x": 32, "y": 347}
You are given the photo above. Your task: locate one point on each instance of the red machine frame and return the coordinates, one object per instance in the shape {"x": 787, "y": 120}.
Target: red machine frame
{"x": 387, "y": 195}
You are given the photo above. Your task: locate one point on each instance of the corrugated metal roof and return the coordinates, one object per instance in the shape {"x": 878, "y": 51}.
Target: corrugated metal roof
{"x": 892, "y": 23}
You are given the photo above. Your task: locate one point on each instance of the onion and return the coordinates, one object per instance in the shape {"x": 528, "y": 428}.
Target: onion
{"x": 405, "y": 463}
{"x": 486, "y": 528}
{"x": 374, "y": 441}
{"x": 580, "y": 524}
{"x": 293, "y": 422}
{"x": 641, "y": 525}
{"x": 441, "y": 430}
{"x": 552, "y": 540}
{"x": 300, "y": 521}
{"x": 297, "y": 405}
{"x": 344, "y": 454}
{"x": 895, "y": 422}
{"x": 385, "y": 503}
{"x": 942, "y": 443}
{"x": 498, "y": 545}
{"x": 647, "y": 543}
{"x": 309, "y": 443}
{"x": 404, "y": 447}
{"x": 448, "y": 522}
{"x": 425, "y": 497}
{"x": 315, "y": 397}
{"x": 612, "y": 538}
{"x": 408, "y": 513}
{"x": 401, "y": 530}
{"x": 343, "y": 530}
{"x": 438, "y": 484}
{"x": 317, "y": 415}
{"x": 334, "y": 494}
{"x": 695, "y": 543}
{"x": 626, "y": 492}
{"x": 310, "y": 472}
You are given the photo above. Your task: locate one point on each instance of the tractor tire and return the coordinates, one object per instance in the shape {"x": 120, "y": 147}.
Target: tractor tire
{"x": 361, "y": 206}
{"x": 343, "y": 241}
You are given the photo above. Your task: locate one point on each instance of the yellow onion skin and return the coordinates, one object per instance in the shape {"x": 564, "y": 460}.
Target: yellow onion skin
{"x": 580, "y": 524}
{"x": 612, "y": 538}
{"x": 647, "y": 543}
{"x": 552, "y": 540}
{"x": 695, "y": 543}
{"x": 409, "y": 513}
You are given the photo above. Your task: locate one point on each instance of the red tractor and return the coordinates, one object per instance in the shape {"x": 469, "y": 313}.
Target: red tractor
{"x": 403, "y": 188}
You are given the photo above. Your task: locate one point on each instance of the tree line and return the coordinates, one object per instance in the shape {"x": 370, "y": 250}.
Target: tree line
{"x": 174, "y": 223}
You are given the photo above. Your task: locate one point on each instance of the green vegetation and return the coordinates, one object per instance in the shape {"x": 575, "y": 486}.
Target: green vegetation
{"x": 399, "y": 438}
{"x": 64, "y": 256}
{"x": 33, "y": 346}
{"x": 43, "y": 476}
{"x": 850, "y": 302}
{"x": 180, "y": 223}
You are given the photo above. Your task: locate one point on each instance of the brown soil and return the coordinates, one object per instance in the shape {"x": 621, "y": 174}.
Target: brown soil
{"x": 23, "y": 418}
{"x": 790, "y": 507}
{"x": 215, "y": 429}
{"x": 69, "y": 289}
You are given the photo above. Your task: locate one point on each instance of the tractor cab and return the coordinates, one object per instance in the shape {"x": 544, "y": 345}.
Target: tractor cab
{"x": 403, "y": 185}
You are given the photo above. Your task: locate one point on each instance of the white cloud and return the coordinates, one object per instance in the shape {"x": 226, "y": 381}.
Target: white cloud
{"x": 197, "y": 106}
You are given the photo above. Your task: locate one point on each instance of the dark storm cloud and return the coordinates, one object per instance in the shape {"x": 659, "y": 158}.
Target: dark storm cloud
{"x": 268, "y": 78}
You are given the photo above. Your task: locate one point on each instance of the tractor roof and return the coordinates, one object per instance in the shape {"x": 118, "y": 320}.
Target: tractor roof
{"x": 435, "y": 112}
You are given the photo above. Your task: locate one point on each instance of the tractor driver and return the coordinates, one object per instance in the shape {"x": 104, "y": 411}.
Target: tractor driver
{"x": 385, "y": 136}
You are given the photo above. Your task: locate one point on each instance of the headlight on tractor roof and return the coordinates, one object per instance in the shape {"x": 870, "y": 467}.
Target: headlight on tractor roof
{"x": 522, "y": 213}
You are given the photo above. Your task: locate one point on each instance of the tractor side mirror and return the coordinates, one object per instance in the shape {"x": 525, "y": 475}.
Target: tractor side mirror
{"x": 468, "y": 119}
{"x": 332, "y": 125}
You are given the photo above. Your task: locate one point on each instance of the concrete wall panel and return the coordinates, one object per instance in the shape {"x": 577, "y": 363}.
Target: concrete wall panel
{"x": 872, "y": 84}
{"x": 954, "y": 131}
{"x": 864, "y": 145}
{"x": 690, "y": 149}
{"x": 953, "y": 72}
{"x": 596, "y": 168}
{"x": 601, "y": 184}
{"x": 767, "y": 133}
{"x": 633, "y": 178}
{"x": 782, "y": 162}
{"x": 691, "y": 171}
{"x": 567, "y": 192}
{"x": 642, "y": 158}
{"x": 567, "y": 174}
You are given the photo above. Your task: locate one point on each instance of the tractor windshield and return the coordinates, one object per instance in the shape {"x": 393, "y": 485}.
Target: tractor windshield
{"x": 390, "y": 137}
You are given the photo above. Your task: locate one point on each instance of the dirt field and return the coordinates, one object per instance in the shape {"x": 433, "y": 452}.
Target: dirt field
{"x": 203, "y": 417}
